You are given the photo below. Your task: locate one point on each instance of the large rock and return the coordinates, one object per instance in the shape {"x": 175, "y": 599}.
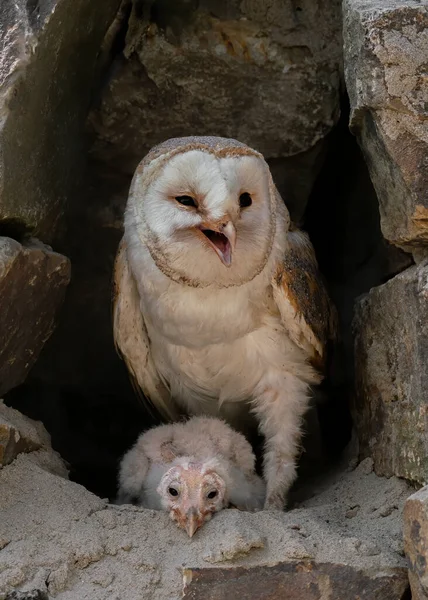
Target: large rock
{"x": 21, "y": 434}
{"x": 416, "y": 542}
{"x": 266, "y": 74}
{"x": 386, "y": 48}
{"x": 48, "y": 52}
{"x": 238, "y": 69}
{"x": 62, "y": 540}
{"x": 304, "y": 580}
{"x": 33, "y": 280}
{"x": 391, "y": 353}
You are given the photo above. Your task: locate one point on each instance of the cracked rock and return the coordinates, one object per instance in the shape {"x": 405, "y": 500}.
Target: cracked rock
{"x": 391, "y": 346}
{"x": 33, "y": 281}
{"x": 47, "y": 64}
{"x": 386, "y": 47}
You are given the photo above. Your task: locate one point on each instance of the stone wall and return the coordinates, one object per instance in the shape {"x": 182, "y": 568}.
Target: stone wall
{"x": 85, "y": 90}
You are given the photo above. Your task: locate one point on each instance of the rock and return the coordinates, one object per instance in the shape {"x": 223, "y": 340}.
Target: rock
{"x": 32, "y": 287}
{"x": 416, "y": 542}
{"x": 303, "y": 580}
{"x": 19, "y": 434}
{"x": 59, "y": 538}
{"x": 386, "y": 45}
{"x": 33, "y": 595}
{"x": 238, "y": 69}
{"x": 47, "y": 66}
{"x": 391, "y": 346}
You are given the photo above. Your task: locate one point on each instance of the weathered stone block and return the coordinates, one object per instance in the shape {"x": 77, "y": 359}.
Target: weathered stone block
{"x": 386, "y": 47}
{"x": 48, "y": 52}
{"x": 391, "y": 354}
{"x": 237, "y": 69}
{"x": 19, "y": 434}
{"x": 33, "y": 280}
{"x": 305, "y": 580}
{"x": 416, "y": 542}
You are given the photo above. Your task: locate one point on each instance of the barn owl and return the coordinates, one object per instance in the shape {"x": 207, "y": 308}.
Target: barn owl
{"x": 192, "y": 470}
{"x": 219, "y": 308}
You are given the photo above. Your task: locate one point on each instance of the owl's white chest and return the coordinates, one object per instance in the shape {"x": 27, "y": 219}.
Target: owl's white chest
{"x": 212, "y": 347}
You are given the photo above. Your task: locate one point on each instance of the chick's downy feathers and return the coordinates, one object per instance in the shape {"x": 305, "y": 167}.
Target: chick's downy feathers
{"x": 192, "y": 470}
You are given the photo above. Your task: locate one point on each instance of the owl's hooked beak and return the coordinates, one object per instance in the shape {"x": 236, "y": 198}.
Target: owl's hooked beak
{"x": 222, "y": 238}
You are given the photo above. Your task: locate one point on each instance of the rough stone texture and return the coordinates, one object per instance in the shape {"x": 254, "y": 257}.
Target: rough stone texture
{"x": 386, "y": 47}
{"x": 415, "y": 531}
{"x": 33, "y": 280}
{"x": 70, "y": 544}
{"x": 304, "y": 580}
{"x": 238, "y": 69}
{"x": 391, "y": 350}
{"x": 48, "y": 52}
{"x": 19, "y": 434}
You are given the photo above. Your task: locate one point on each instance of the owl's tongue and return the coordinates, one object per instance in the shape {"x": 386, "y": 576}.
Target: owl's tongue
{"x": 221, "y": 245}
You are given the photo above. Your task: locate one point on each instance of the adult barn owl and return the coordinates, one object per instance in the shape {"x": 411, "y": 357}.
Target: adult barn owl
{"x": 192, "y": 470}
{"x": 219, "y": 308}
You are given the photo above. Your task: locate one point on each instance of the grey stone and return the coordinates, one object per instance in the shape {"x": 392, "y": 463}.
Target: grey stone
{"x": 19, "y": 434}
{"x": 48, "y": 52}
{"x": 33, "y": 281}
{"x": 267, "y": 75}
{"x": 386, "y": 45}
{"x": 391, "y": 354}
{"x": 415, "y": 532}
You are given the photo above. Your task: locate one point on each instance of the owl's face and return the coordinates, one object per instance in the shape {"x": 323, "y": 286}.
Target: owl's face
{"x": 209, "y": 218}
{"x": 192, "y": 492}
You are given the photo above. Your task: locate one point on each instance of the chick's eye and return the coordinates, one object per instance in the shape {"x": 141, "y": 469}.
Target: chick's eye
{"x": 212, "y": 494}
{"x": 172, "y": 491}
{"x": 245, "y": 200}
{"x": 186, "y": 200}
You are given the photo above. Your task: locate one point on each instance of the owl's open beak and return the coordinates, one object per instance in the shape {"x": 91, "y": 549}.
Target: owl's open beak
{"x": 222, "y": 239}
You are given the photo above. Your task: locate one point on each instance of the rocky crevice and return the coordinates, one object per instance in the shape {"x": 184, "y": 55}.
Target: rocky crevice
{"x": 86, "y": 91}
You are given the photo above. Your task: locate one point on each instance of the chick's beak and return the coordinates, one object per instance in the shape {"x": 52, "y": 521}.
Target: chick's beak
{"x": 222, "y": 239}
{"x": 192, "y": 522}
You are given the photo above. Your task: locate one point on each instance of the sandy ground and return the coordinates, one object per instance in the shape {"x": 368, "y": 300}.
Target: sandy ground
{"x": 58, "y": 537}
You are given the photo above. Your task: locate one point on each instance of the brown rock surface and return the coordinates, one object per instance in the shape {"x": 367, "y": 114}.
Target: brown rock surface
{"x": 237, "y": 69}
{"x": 33, "y": 280}
{"x": 48, "y": 52}
{"x": 391, "y": 352}
{"x": 416, "y": 542}
{"x": 303, "y": 580}
{"x": 386, "y": 48}
{"x": 19, "y": 434}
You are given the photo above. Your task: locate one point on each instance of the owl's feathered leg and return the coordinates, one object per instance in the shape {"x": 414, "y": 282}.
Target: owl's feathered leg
{"x": 280, "y": 404}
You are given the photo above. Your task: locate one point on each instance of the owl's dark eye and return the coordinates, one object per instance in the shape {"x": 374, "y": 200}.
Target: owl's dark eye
{"x": 212, "y": 494}
{"x": 172, "y": 491}
{"x": 245, "y": 200}
{"x": 186, "y": 200}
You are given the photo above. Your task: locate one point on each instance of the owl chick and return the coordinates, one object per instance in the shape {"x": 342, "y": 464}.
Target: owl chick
{"x": 192, "y": 470}
{"x": 219, "y": 308}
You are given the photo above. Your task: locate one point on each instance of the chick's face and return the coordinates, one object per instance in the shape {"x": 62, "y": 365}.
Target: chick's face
{"x": 192, "y": 493}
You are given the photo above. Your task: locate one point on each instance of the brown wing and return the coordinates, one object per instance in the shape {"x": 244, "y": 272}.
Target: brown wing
{"x": 302, "y": 299}
{"x": 132, "y": 341}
